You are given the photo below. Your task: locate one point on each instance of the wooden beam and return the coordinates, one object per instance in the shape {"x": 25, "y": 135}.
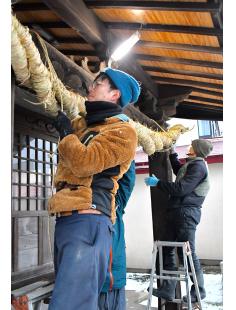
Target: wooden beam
{"x": 21, "y": 7}
{"x": 208, "y": 31}
{"x": 184, "y": 47}
{"x": 136, "y": 26}
{"x": 58, "y": 24}
{"x": 185, "y": 61}
{"x": 217, "y": 17}
{"x": 210, "y": 100}
{"x": 197, "y": 105}
{"x": 183, "y": 111}
{"x": 184, "y": 72}
{"x": 187, "y": 82}
{"x": 79, "y": 17}
{"x": 71, "y": 40}
{"x": 77, "y": 52}
{"x": 155, "y": 5}
{"x": 153, "y": 44}
{"x": 192, "y": 62}
{"x": 176, "y": 93}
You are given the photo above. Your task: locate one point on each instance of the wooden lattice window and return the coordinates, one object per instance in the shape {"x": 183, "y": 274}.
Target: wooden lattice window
{"x": 34, "y": 164}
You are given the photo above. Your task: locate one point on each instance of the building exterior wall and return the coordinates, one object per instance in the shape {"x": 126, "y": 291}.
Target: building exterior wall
{"x": 138, "y": 223}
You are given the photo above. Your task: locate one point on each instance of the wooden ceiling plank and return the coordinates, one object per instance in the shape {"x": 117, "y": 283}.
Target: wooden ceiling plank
{"x": 204, "y": 99}
{"x": 193, "y": 93}
{"x": 166, "y": 28}
{"x": 184, "y": 77}
{"x": 184, "y": 72}
{"x": 176, "y": 46}
{"x": 192, "y": 62}
{"x": 187, "y": 82}
{"x": 154, "y": 5}
{"x": 81, "y": 18}
{"x": 207, "y": 91}
{"x": 184, "y": 47}
{"x": 136, "y": 26}
{"x": 206, "y": 103}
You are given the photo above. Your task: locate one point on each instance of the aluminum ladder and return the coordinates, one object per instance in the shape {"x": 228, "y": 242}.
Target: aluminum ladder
{"x": 179, "y": 275}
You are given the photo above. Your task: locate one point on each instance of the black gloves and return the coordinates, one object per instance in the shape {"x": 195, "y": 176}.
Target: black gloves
{"x": 63, "y": 125}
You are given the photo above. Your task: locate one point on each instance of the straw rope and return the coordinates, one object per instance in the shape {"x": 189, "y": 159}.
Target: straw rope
{"x": 33, "y": 73}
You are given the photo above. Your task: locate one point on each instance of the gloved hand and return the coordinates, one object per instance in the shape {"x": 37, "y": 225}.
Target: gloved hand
{"x": 123, "y": 117}
{"x": 63, "y": 125}
{"x": 151, "y": 181}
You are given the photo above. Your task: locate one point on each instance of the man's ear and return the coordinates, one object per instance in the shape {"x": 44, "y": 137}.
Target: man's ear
{"x": 115, "y": 95}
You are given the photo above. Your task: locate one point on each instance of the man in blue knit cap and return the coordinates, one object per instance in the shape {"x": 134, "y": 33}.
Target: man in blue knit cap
{"x": 94, "y": 154}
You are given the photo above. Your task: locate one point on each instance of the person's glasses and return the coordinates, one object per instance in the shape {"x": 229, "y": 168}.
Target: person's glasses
{"x": 96, "y": 83}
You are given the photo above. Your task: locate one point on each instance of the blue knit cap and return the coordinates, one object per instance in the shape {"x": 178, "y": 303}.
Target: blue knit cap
{"x": 127, "y": 85}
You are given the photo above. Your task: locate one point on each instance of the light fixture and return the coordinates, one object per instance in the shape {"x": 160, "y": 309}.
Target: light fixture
{"x": 124, "y": 48}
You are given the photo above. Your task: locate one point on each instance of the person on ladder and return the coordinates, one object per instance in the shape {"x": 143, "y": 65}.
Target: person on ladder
{"x": 186, "y": 196}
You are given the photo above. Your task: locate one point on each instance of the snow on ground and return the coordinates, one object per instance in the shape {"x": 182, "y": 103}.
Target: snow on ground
{"x": 139, "y": 282}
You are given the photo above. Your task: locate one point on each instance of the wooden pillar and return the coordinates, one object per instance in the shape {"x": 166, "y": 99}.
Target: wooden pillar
{"x": 12, "y": 107}
{"x": 159, "y": 165}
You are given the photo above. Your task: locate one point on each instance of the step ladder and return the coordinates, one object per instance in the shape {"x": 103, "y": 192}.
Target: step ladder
{"x": 179, "y": 275}
{"x": 31, "y": 297}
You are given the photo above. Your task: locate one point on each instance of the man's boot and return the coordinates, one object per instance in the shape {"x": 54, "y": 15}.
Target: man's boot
{"x": 200, "y": 281}
{"x": 166, "y": 291}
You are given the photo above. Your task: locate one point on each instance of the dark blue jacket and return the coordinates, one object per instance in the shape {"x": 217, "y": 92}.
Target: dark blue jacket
{"x": 126, "y": 185}
{"x": 182, "y": 192}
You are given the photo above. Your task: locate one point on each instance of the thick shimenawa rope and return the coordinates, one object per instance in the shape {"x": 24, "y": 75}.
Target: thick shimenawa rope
{"x": 31, "y": 72}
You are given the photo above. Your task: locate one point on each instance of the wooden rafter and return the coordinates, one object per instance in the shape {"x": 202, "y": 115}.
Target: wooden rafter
{"x": 154, "y": 5}
{"x": 202, "y": 105}
{"x": 208, "y": 31}
{"x": 207, "y": 91}
{"x": 187, "y": 82}
{"x": 209, "y": 100}
{"x": 184, "y": 72}
{"x": 192, "y": 62}
{"x": 153, "y": 44}
{"x": 184, "y": 47}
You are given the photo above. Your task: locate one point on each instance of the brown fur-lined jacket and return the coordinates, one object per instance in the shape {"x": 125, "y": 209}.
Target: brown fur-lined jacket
{"x": 92, "y": 160}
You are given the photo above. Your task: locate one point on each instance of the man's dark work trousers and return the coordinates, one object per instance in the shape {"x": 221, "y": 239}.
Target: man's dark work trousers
{"x": 82, "y": 245}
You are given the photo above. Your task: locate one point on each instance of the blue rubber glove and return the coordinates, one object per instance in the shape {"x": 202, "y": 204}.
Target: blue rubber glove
{"x": 122, "y": 117}
{"x": 151, "y": 181}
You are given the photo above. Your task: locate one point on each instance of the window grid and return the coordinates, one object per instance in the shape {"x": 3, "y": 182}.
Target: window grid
{"x": 33, "y": 167}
